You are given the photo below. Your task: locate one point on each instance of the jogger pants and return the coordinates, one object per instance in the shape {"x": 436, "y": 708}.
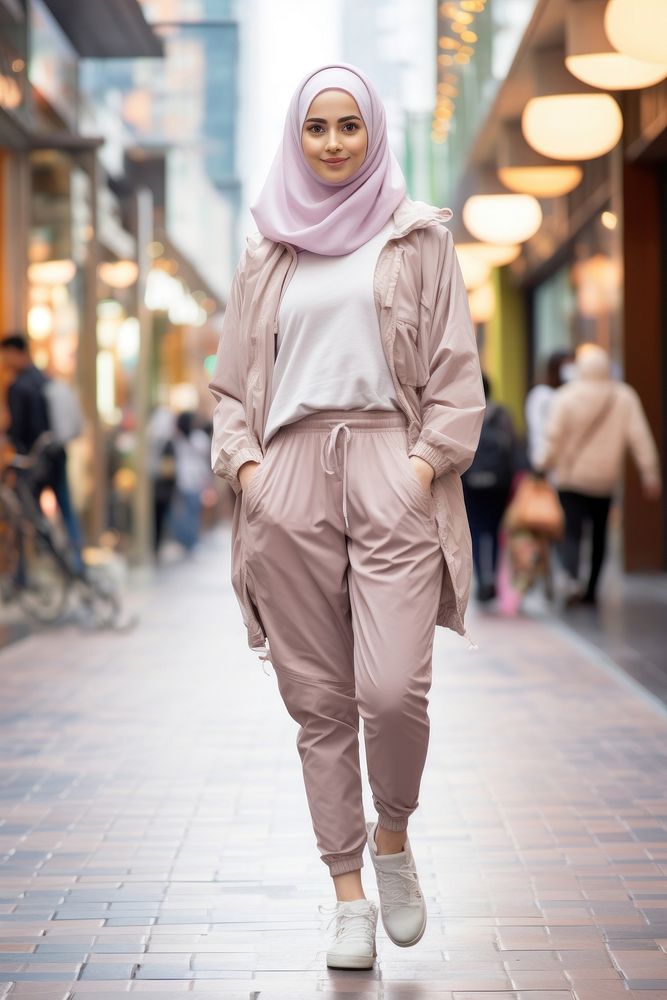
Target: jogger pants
{"x": 344, "y": 566}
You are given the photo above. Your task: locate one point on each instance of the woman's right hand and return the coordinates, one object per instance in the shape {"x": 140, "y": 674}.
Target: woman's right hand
{"x": 246, "y": 472}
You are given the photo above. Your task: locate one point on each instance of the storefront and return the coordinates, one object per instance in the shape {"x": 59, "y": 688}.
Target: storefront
{"x": 68, "y": 257}
{"x": 583, "y": 163}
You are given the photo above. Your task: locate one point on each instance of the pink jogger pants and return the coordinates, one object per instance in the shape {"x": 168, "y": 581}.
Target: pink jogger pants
{"x": 345, "y": 567}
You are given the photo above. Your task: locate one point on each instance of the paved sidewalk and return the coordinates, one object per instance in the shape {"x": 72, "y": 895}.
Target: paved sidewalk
{"x": 155, "y": 836}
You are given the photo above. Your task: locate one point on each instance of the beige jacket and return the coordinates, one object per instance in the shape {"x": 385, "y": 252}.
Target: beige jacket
{"x": 429, "y": 342}
{"x": 592, "y": 424}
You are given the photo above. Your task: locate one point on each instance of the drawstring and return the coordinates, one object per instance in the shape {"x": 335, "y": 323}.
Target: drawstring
{"x": 329, "y": 454}
{"x": 471, "y": 642}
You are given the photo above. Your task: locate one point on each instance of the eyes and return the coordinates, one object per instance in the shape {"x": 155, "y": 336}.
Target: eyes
{"x": 348, "y": 127}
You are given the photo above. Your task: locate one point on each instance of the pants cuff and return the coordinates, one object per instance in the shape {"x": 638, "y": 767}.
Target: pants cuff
{"x": 396, "y": 824}
{"x": 341, "y": 865}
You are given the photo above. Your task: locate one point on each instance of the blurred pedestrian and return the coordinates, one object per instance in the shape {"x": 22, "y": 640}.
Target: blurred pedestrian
{"x": 161, "y": 468}
{"x": 192, "y": 454}
{"x": 346, "y": 452}
{"x": 486, "y": 488}
{"x": 594, "y": 422}
{"x": 40, "y": 406}
{"x": 539, "y": 401}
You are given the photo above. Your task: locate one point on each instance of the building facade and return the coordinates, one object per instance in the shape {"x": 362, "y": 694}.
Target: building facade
{"x": 593, "y": 271}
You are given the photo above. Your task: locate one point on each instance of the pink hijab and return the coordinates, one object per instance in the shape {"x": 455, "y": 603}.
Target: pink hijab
{"x": 327, "y": 217}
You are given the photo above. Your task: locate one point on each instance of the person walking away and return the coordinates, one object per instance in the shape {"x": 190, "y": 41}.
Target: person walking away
{"x": 539, "y": 401}
{"x": 349, "y": 401}
{"x": 593, "y": 423}
{"x": 192, "y": 454}
{"x": 38, "y": 405}
{"x": 161, "y": 468}
{"x": 486, "y": 488}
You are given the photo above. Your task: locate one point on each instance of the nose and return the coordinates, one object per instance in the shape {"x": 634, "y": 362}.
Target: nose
{"x": 333, "y": 142}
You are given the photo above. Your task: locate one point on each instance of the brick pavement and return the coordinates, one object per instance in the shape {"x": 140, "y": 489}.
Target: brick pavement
{"x": 155, "y": 836}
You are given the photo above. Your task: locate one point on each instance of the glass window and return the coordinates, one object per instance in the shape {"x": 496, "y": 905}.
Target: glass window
{"x": 581, "y": 301}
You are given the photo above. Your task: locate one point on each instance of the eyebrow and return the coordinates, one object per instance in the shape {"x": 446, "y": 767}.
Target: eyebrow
{"x": 323, "y": 121}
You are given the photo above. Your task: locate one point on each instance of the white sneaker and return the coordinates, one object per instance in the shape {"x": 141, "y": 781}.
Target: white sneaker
{"x": 353, "y": 946}
{"x": 402, "y": 904}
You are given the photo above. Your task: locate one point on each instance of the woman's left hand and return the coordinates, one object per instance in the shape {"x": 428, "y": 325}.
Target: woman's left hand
{"x": 423, "y": 471}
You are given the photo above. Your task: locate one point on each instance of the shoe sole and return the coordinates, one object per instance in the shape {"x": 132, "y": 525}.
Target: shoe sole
{"x": 399, "y": 944}
{"x": 414, "y": 940}
{"x": 336, "y": 962}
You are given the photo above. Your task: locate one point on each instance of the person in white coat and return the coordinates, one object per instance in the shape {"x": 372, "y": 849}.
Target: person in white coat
{"x": 540, "y": 400}
{"x": 594, "y": 422}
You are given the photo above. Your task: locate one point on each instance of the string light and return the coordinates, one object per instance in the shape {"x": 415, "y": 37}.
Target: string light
{"x": 456, "y": 47}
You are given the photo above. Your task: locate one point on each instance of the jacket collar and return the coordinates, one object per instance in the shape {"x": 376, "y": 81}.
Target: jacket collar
{"x": 416, "y": 215}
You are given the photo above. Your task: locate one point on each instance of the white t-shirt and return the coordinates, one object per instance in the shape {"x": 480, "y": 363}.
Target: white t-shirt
{"x": 329, "y": 351}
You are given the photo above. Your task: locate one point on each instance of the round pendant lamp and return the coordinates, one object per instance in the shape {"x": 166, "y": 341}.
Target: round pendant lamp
{"x": 638, "y": 28}
{"x": 524, "y": 171}
{"x": 572, "y": 126}
{"x": 492, "y": 254}
{"x": 502, "y": 218}
{"x": 475, "y": 269}
{"x": 118, "y": 273}
{"x": 591, "y": 57}
{"x": 568, "y": 121}
{"x": 51, "y": 272}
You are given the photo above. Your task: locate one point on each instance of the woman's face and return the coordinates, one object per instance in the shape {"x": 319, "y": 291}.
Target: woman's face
{"x": 334, "y": 138}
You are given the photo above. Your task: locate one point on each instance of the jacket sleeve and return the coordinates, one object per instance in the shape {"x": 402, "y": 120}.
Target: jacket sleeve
{"x": 640, "y": 440}
{"x": 452, "y": 401}
{"x": 233, "y": 441}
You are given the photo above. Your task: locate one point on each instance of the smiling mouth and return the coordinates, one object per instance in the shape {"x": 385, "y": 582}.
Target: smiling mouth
{"x": 337, "y": 159}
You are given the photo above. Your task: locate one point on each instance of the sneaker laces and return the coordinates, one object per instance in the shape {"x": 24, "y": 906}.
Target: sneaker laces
{"x": 398, "y": 887}
{"x": 358, "y": 924}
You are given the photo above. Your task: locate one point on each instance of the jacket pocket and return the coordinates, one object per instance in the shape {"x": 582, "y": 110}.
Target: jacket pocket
{"x": 240, "y": 579}
{"x": 409, "y": 362}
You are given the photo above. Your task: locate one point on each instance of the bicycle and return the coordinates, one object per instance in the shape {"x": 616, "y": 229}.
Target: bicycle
{"x": 39, "y": 566}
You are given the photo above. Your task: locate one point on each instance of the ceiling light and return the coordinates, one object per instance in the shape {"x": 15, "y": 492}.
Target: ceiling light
{"x": 638, "y": 28}
{"x": 474, "y": 268}
{"x": 51, "y": 272}
{"x": 566, "y": 120}
{"x": 502, "y": 218}
{"x": 40, "y": 322}
{"x": 542, "y": 182}
{"x": 118, "y": 273}
{"x": 492, "y": 254}
{"x": 591, "y": 57}
{"x": 525, "y": 171}
{"x": 572, "y": 126}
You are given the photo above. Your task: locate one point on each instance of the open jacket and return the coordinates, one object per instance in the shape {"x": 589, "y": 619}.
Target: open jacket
{"x": 429, "y": 343}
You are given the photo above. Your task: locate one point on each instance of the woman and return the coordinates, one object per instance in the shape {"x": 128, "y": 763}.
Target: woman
{"x": 349, "y": 401}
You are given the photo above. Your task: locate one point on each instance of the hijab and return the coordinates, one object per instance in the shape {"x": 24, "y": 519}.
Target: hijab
{"x": 298, "y": 207}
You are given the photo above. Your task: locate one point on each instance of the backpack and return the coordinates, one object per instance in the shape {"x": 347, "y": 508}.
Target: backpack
{"x": 493, "y": 466}
{"x": 64, "y": 409}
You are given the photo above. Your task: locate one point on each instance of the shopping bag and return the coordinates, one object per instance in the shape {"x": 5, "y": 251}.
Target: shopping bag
{"x": 535, "y": 507}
